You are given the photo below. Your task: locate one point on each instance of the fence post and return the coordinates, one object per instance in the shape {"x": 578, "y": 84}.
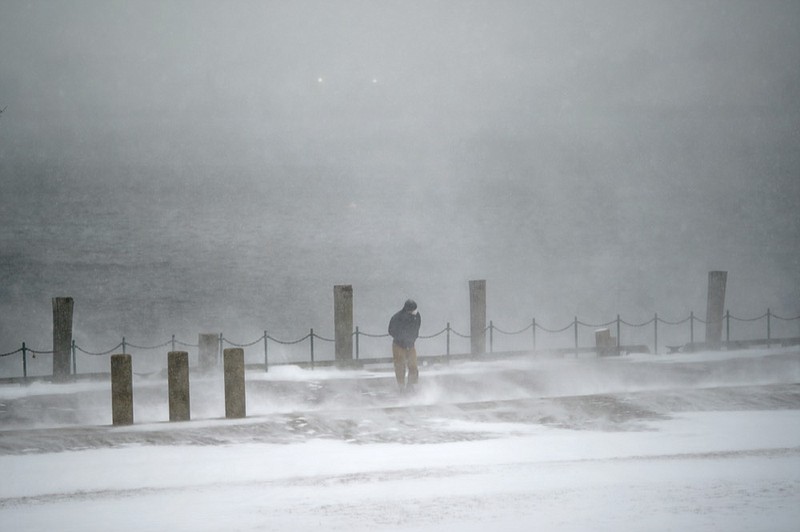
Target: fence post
{"x": 576, "y": 336}
{"x": 491, "y": 336}
{"x": 74, "y": 358}
{"x": 715, "y": 306}
{"x": 533, "y": 333}
{"x": 266, "y": 353}
{"x": 235, "y": 401}
{"x": 24, "y": 361}
{"x": 727, "y": 329}
{"x": 691, "y": 332}
{"x": 178, "y": 385}
{"x": 220, "y": 348}
{"x": 619, "y": 335}
{"x": 311, "y": 336}
{"x": 62, "y": 336}
{"x": 343, "y": 323}
{"x": 655, "y": 325}
{"x": 208, "y": 349}
{"x": 477, "y": 316}
{"x": 769, "y": 328}
{"x": 357, "y": 346}
{"x": 173, "y": 342}
{"x": 121, "y": 390}
{"x": 604, "y": 343}
{"x": 448, "y": 342}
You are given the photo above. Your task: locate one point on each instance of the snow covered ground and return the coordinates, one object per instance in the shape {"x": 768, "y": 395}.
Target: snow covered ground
{"x": 707, "y": 441}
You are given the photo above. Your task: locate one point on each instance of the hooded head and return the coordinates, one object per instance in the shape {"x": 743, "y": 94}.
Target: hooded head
{"x": 410, "y": 305}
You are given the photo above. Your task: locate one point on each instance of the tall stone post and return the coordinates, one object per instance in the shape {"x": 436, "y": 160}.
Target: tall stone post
{"x": 343, "y": 322}
{"x": 121, "y": 390}
{"x": 716, "y": 306}
{"x": 477, "y": 316}
{"x": 178, "y": 384}
{"x": 233, "y": 361}
{"x": 208, "y": 350}
{"x": 62, "y": 337}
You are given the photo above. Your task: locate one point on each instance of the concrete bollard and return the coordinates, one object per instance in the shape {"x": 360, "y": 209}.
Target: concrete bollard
{"x": 121, "y": 390}
{"x": 715, "y": 306}
{"x": 62, "y": 337}
{"x": 605, "y": 344}
{"x": 477, "y": 316}
{"x": 343, "y": 322}
{"x": 233, "y": 360}
{"x": 178, "y": 381}
{"x": 208, "y": 349}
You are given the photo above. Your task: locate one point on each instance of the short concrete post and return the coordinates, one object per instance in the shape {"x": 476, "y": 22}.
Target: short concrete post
{"x": 343, "y": 322}
{"x": 715, "y": 306}
{"x": 208, "y": 350}
{"x": 62, "y": 337}
{"x": 121, "y": 390}
{"x": 477, "y": 316}
{"x": 605, "y": 344}
{"x": 178, "y": 384}
{"x": 233, "y": 360}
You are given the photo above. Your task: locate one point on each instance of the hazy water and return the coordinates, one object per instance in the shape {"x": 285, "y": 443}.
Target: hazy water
{"x": 146, "y": 257}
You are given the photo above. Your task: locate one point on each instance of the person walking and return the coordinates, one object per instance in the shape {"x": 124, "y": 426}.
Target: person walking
{"x": 404, "y": 330}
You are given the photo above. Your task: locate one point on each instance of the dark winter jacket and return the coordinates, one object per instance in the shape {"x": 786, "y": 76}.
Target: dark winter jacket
{"x": 404, "y": 328}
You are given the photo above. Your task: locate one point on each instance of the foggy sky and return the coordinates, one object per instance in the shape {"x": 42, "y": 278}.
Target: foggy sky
{"x": 583, "y": 157}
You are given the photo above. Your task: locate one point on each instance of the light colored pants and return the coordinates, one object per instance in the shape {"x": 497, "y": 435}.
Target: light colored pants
{"x": 405, "y": 358}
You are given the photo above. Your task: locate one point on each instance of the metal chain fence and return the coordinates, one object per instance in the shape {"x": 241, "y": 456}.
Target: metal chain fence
{"x": 449, "y": 332}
